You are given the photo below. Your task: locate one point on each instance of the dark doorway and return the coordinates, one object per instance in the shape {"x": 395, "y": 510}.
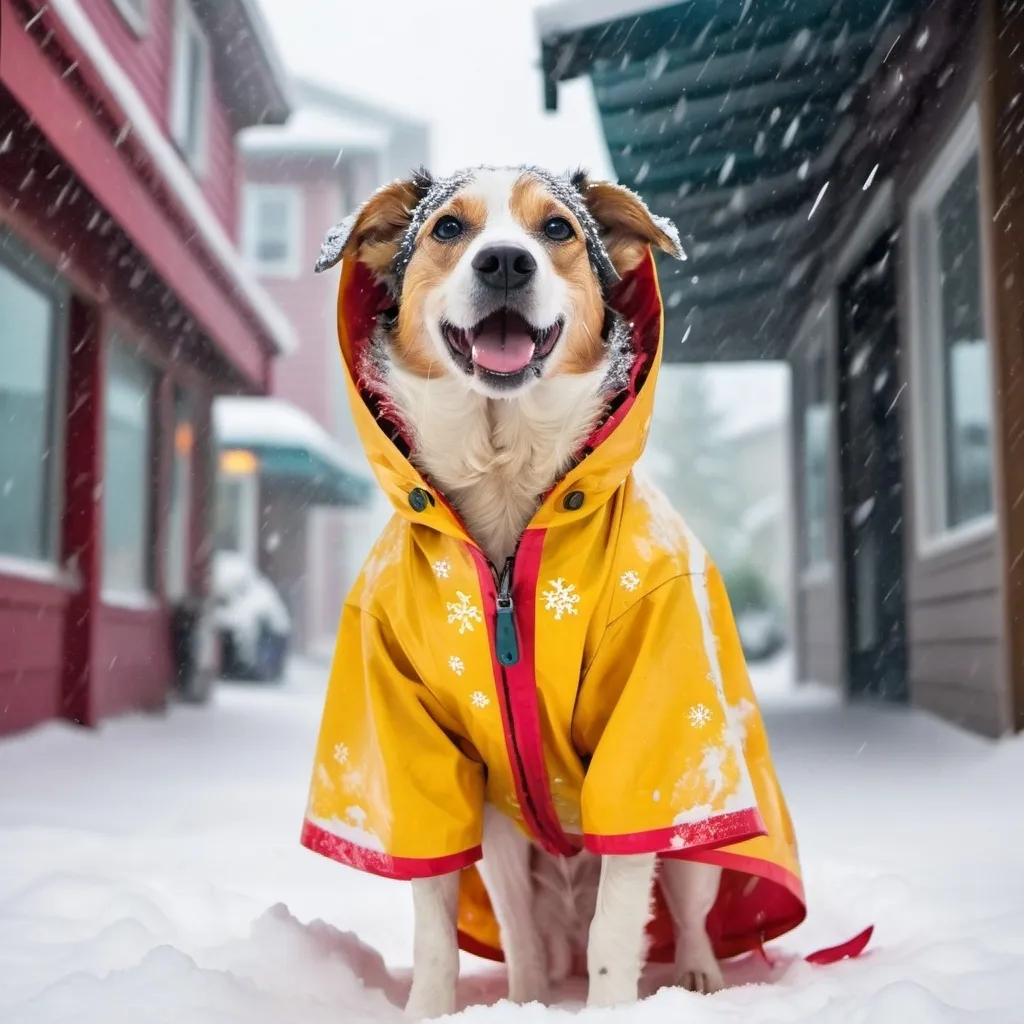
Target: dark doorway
{"x": 871, "y": 457}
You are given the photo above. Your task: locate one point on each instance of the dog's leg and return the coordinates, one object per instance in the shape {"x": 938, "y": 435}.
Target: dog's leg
{"x": 617, "y": 945}
{"x": 690, "y": 891}
{"x": 505, "y": 869}
{"x": 435, "y": 957}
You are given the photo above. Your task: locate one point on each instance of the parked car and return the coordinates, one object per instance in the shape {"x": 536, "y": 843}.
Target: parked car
{"x": 761, "y": 633}
{"x": 251, "y": 620}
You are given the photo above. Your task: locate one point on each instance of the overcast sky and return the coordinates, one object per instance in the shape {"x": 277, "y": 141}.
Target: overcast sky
{"x": 469, "y": 67}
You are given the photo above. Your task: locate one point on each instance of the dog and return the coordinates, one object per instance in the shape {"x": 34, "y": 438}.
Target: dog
{"x": 499, "y": 359}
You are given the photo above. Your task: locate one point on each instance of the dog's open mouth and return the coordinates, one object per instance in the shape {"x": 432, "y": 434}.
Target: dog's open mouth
{"x": 502, "y": 343}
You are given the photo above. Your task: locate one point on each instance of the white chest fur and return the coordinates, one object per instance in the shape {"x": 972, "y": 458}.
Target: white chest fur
{"x": 494, "y": 459}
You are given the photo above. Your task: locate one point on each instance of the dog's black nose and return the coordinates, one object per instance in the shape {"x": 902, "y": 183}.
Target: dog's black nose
{"x": 505, "y": 267}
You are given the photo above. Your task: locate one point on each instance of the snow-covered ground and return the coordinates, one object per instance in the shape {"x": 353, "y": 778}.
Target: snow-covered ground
{"x": 151, "y": 872}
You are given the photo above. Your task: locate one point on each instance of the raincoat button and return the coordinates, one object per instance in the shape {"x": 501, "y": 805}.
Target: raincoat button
{"x": 573, "y": 501}
{"x": 418, "y": 499}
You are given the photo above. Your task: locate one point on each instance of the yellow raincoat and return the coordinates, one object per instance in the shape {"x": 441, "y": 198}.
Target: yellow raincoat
{"x": 593, "y": 689}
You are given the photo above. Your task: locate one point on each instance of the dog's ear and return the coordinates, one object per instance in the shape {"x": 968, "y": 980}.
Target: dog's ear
{"x": 627, "y": 226}
{"x": 373, "y": 233}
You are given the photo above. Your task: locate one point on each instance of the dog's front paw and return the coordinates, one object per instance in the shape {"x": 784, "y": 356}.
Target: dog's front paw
{"x": 697, "y": 970}
{"x": 612, "y": 988}
{"x": 428, "y": 1002}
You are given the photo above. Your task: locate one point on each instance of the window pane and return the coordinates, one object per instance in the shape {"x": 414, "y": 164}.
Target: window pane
{"x": 968, "y": 397}
{"x": 179, "y": 520}
{"x": 194, "y": 71}
{"x": 26, "y": 398}
{"x": 816, "y": 435}
{"x": 230, "y": 511}
{"x": 127, "y": 478}
{"x": 273, "y": 229}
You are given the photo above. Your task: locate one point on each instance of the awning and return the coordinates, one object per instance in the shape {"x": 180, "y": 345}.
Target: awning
{"x": 733, "y": 120}
{"x": 291, "y": 450}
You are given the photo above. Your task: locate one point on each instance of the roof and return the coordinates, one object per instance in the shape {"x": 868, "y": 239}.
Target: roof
{"x": 292, "y": 448}
{"x": 176, "y": 176}
{"x": 733, "y": 120}
{"x": 249, "y": 68}
{"x": 327, "y": 123}
{"x": 314, "y": 131}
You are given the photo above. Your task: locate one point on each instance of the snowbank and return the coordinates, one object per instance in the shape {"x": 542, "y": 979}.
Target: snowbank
{"x": 145, "y": 870}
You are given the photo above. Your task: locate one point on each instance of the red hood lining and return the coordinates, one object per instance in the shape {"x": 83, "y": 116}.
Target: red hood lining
{"x": 635, "y": 298}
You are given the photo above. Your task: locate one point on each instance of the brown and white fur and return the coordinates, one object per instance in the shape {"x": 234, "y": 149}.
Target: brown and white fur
{"x": 494, "y": 447}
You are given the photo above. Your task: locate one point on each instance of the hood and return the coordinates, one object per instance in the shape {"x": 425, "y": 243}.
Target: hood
{"x": 606, "y": 458}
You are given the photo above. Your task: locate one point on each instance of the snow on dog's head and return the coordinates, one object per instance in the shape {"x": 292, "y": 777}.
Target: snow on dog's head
{"x": 500, "y": 274}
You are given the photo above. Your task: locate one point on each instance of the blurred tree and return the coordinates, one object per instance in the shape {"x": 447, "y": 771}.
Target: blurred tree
{"x": 688, "y": 457}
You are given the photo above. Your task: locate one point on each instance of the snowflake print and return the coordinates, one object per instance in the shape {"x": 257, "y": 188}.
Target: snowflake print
{"x": 457, "y": 665}
{"x": 341, "y": 753}
{"x": 442, "y": 568}
{"x": 699, "y": 716}
{"x": 629, "y": 580}
{"x": 463, "y": 612}
{"x": 479, "y": 699}
{"x": 561, "y": 598}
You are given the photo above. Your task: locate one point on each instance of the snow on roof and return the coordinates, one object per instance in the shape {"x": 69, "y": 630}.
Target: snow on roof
{"x": 314, "y": 130}
{"x": 275, "y": 423}
{"x": 174, "y": 172}
{"x": 573, "y": 15}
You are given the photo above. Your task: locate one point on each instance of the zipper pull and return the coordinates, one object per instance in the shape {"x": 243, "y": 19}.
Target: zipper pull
{"x": 505, "y": 640}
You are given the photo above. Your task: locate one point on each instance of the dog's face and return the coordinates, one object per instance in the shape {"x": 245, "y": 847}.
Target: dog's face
{"x": 498, "y": 273}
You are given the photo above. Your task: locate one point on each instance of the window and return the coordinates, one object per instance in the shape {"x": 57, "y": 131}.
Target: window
{"x": 179, "y": 522}
{"x": 135, "y": 13}
{"x": 28, "y": 404}
{"x": 817, "y": 420}
{"x": 237, "y": 513}
{"x": 127, "y": 475}
{"x": 190, "y": 86}
{"x": 272, "y": 229}
{"x": 954, "y": 393}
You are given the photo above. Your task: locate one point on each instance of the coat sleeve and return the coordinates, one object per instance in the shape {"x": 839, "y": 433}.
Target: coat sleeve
{"x": 392, "y": 791}
{"x": 668, "y": 769}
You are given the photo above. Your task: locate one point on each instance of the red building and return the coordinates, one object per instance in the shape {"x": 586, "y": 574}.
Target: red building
{"x": 124, "y": 309}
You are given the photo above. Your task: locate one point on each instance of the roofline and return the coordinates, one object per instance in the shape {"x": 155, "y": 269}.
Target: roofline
{"x": 308, "y": 91}
{"x": 574, "y": 15}
{"x": 278, "y": 78}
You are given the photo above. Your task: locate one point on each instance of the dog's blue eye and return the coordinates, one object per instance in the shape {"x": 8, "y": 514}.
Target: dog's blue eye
{"x": 447, "y": 228}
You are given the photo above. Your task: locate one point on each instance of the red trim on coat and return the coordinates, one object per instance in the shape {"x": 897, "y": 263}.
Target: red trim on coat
{"x": 683, "y": 840}
{"x": 403, "y": 869}
{"x": 520, "y": 717}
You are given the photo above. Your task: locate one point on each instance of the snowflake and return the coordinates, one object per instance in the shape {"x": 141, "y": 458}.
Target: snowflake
{"x": 463, "y": 612}
{"x": 479, "y": 699}
{"x": 341, "y": 753}
{"x": 442, "y": 568}
{"x": 561, "y": 598}
{"x": 699, "y": 716}
{"x": 457, "y": 665}
{"x": 629, "y": 580}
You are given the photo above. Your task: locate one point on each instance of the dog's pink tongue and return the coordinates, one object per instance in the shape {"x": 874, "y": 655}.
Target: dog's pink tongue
{"x": 503, "y": 345}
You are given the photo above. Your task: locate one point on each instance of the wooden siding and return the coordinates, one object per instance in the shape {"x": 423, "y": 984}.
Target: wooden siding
{"x": 954, "y": 625}
{"x": 147, "y": 59}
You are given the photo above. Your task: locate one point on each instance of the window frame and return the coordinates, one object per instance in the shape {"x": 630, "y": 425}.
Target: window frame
{"x": 932, "y": 533}
{"x": 186, "y": 26}
{"x": 136, "y": 20}
{"x": 252, "y": 192}
{"x": 146, "y": 597}
{"x": 21, "y": 261}
{"x": 815, "y": 345}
